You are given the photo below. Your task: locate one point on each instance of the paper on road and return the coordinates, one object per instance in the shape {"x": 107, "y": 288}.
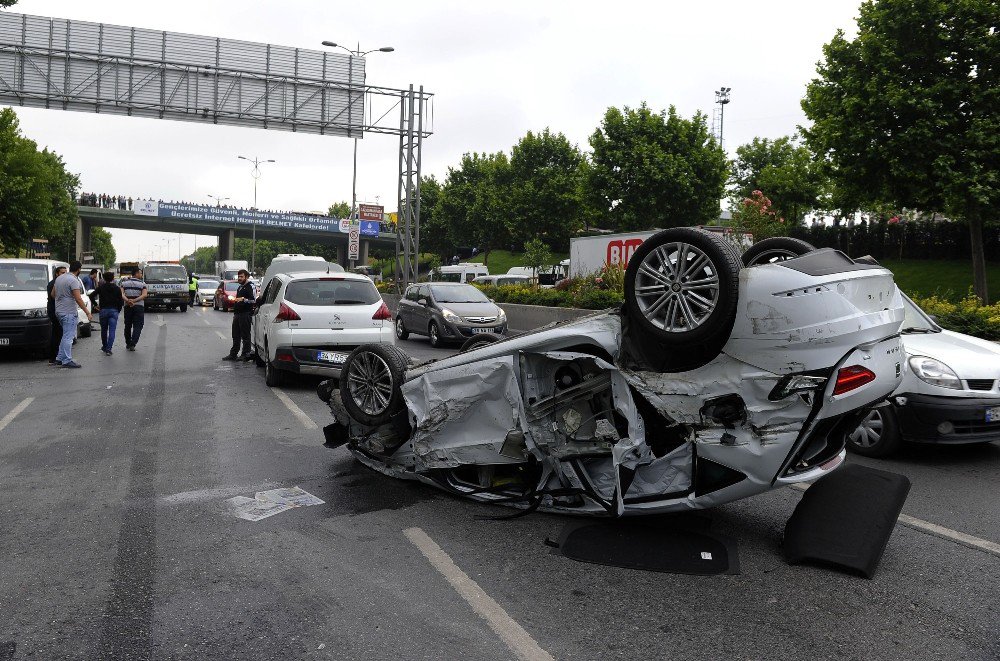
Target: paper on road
{"x": 271, "y": 502}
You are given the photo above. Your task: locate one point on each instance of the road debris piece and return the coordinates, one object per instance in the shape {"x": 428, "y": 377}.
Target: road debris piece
{"x": 271, "y": 502}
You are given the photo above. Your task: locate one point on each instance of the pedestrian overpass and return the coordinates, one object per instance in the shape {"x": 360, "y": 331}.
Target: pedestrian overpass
{"x": 228, "y": 224}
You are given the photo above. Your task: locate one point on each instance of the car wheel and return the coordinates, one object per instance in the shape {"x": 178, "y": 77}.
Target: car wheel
{"x": 775, "y": 249}
{"x": 681, "y": 287}
{"x": 370, "y": 383}
{"x": 479, "y": 341}
{"x": 878, "y": 433}
{"x": 434, "y": 331}
{"x": 401, "y": 331}
{"x": 272, "y": 377}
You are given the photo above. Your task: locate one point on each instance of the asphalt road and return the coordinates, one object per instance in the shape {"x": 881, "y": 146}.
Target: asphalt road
{"x": 115, "y": 542}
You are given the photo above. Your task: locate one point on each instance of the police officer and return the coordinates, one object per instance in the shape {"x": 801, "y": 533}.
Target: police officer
{"x": 242, "y": 309}
{"x": 193, "y": 289}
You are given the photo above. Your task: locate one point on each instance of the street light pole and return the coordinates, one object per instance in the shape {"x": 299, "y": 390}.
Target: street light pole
{"x": 722, "y": 98}
{"x": 255, "y": 173}
{"x": 357, "y": 52}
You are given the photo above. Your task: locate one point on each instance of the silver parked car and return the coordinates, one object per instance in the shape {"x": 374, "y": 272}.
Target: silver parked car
{"x": 448, "y": 312}
{"x": 712, "y": 383}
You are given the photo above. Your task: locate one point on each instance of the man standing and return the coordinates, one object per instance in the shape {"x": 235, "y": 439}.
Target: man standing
{"x": 133, "y": 293}
{"x": 242, "y": 308}
{"x": 111, "y": 303}
{"x": 193, "y": 288}
{"x": 69, "y": 296}
{"x": 55, "y": 335}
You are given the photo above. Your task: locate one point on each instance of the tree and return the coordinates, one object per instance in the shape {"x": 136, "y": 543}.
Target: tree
{"x": 546, "y": 193}
{"x": 8, "y": 3}
{"x": 435, "y": 235}
{"x": 473, "y": 199}
{"x": 536, "y": 255}
{"x": 100, "y": 245}
{"x": 656, "y": 169}
{"x": 339, "y": 210}
{"x": 907, "y": 112}
{"x": 786, "y": 173}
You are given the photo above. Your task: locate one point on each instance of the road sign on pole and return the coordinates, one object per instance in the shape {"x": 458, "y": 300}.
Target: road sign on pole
{"x": 354, "y": 241}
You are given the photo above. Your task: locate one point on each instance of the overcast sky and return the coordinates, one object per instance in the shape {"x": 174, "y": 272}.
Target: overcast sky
{"x": 497, "y": 71}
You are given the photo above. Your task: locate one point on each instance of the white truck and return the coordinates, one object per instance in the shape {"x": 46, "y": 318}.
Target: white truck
{"x": 589, "y": 254}
{"x": 227, "y": 269}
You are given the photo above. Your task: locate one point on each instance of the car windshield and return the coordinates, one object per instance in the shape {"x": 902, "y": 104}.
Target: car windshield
{"x": 462, "y": 294}
{"x": 208, "y": 284}
{"x": 23, "y": 277}
{"x": 915, "y": 320}
{"x": 232, "y": 286}
{"x": 448, "y": 277}
{"x": 330, "y": 291}
{"x": 165, "y": 274}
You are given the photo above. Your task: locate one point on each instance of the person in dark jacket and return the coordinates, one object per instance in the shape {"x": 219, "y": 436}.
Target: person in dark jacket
{"x": 56, "y": 333}
{"x": 242, "y": 309}
{"x": 111, "y": 302}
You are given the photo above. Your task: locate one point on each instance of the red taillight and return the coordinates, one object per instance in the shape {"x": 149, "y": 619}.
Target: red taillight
{"x": 849, "y": 378}
{"x": 383, "y": 312}
{"x": 286, "y": 313}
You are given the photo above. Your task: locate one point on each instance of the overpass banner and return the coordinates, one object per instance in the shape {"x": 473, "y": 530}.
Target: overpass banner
{"x": 226, "y": 216}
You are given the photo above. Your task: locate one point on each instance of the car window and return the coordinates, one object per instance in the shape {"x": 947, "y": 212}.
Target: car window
{"x": 459, "y": 294}
{"x": 328, "y": 291}
{"x": 423, "y": 292}
{"x": 511, "y": 281}
{"x": 232, "y": 286}
{"x": 208, "y": 284}
{"x": 23, "y": 277}
{"x": 272, "y": 290}
{"x": 914, "y": 319}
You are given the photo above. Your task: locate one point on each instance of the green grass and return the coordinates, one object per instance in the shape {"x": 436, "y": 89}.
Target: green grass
{"x": 502, "y": 260}
{"x": 949, "y": 279}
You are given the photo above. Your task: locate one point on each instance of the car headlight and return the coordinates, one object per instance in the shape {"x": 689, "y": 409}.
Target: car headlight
{"x": 934, "y": 372}
{"x": 450, "y": 316}
{"x": 502, "y": 317}
{"x": 34, "y": 313}
{"x": 231, "y": 298}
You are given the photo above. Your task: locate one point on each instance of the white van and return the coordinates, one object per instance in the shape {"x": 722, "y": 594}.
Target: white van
{"x": 464, "y": 272}
{"x": 24, "y": 322}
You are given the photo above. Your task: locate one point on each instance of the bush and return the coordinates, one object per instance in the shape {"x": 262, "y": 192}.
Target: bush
{"x": 598, "y": 292}
{"x": 968, "y": 316}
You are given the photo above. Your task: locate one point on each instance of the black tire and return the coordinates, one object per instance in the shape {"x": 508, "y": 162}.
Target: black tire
{"x": 401, "y": 331}
{"x": 434, "y": 332}
{"x": 273, "y": 377}
{"x": 479, "y": 341}
{"x": 776, "y": 249}
{"x": 878, "y": 434}
{"x": 370, "y": 383}
{"x": 86, "y": 330}
{"x": 695, "y": 305}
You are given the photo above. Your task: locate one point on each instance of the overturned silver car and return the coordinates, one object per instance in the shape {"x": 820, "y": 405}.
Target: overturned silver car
{"x": 713, "y": 382}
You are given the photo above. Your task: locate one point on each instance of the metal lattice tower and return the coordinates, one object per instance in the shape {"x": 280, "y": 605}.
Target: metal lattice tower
{"x": 412, "y": 109}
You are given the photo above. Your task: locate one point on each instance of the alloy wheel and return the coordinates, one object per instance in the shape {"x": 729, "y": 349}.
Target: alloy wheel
{"x": 369, "y": 382}
{"x": 677, "y": 287}
{"x": 869, "y": 432}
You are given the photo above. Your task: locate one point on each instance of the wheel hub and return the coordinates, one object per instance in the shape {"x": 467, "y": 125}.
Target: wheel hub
{"x": 369, "y": 381}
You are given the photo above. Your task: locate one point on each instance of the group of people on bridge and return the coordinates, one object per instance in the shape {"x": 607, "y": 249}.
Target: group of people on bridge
{"x": 105, "y": 201}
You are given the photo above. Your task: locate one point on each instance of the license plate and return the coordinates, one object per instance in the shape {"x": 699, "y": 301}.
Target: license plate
{"x": 331, "y": 357}
{"x": 168, "y": 300}
{"x": 993, "y": 414}
{"x": 4, "y": 340}
{"x": 476, "y": 331}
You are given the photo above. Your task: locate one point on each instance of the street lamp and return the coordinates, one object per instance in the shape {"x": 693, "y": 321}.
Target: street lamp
{"x": 722, "y": 98}
{"x": 357, "y": 52}
{"x": 255, "y": 173}
{"x": 218, "y": 200}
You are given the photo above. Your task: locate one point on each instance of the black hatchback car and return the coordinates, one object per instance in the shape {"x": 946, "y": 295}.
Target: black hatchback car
{"x": 448, "y": 312}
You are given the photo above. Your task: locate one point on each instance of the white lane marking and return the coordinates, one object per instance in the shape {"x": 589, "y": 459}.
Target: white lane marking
{"x": 936, "y": 530}
{"x": 13, "y": 414}
{"x": 513, "y": 634}
{"x": 220, "y": 335}
{"x": 207, "y": 322}
{"x": 296, "y": 411}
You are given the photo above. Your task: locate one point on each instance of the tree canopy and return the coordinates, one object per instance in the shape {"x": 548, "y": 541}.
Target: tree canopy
{"x": 473, "y": 202}
{"x": 783, "y": 171}
{"x": 907, "y": 113}
{"x": 656, "y": 169}
{"x": 339, "y": 210}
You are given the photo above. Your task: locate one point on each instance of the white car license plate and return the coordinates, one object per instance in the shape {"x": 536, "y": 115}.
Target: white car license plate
{"x": 168, "y": 300}
{"x": 476, "y": 331}
{"x": 331, "y": 357}
{"x": 4, "y": 340}
{"x": 993, "y": 414}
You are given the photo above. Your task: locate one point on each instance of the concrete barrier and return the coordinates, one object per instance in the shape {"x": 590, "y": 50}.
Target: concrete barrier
{"x": 520, "y": 318}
